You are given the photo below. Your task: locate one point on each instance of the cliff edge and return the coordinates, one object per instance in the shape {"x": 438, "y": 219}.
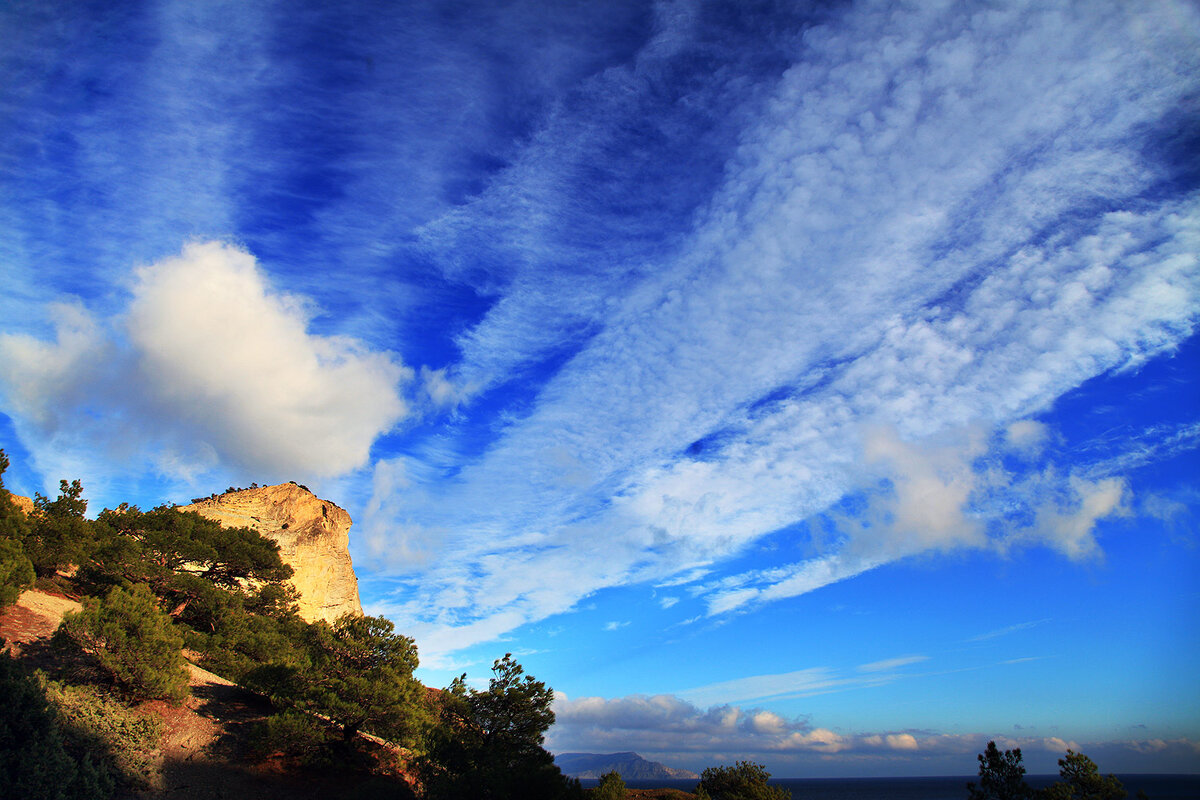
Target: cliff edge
{"x": 313, "y": 536}
{"x": 23, "y": 503}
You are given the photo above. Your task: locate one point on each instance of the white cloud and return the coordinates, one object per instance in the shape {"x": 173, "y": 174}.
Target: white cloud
{"x": 208, "y": 365}
{"x": 916, "y": 246}
{"x": 798, "y": 683}
{"x": 1005, "y": 631}
{"x": 220, "y": 348}
{"x": 889, "y": 664}
{"x": 679, "y": 732}
{"x": 1027, "y": 436}
{"x": 1071, "y": 529}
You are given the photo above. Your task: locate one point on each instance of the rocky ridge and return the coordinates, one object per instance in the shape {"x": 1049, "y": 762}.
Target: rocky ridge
{"x": 313, "y": 537}
{"x": 630, "y": 766}
{"x": 23, "y": 503}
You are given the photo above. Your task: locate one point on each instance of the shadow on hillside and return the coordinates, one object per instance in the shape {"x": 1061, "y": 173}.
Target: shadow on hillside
{"x": 209, "y": 780}
{"x": 225, "y": 768}
{"x": 235, "y": 709}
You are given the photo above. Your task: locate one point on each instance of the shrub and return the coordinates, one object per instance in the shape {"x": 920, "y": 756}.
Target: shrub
{"x": 34, "y": 761}
{"x": 98, "y": 724}
{"x": 134, "y": 641}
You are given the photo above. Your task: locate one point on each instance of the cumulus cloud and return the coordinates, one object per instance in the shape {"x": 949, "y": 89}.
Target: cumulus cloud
{"x": 667, "y": 727}
{"x": 208, "y": 365}
{"x": 1027, "y": 436}
{"x": 1071, "y": 530}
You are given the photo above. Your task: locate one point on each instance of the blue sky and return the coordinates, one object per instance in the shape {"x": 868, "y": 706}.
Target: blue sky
{"x": 809, "y": 383}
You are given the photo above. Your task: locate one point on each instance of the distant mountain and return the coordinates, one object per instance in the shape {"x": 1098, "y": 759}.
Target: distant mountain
{"x": 631, "y": 766}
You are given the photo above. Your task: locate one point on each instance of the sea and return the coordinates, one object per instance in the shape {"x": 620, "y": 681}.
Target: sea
{"x": 1156, "y": 787}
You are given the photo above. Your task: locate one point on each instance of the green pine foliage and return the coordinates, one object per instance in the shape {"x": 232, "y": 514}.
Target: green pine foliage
{"x": 1001, "y": 776}
{"x": 293, "y": 734}
{"x": 159, "y": 546}
{"x": 60, "y": 535}
{"x": 134, "y": 641}
{"x": 488, "y": 744}
{"x": 356, "y": 673}
{"x": 1081, "y": 780}
{"x": 16, "y": 571}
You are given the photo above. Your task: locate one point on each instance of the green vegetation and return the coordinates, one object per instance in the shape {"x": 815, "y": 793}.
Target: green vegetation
{"x": 611, "y": 787}
{"x": 134, "y": 641}
{"x": 16, "y": 571}
{"x": 1081, "y": 780}
{"x": 743, "y": 781}
{"x": 488, "y": 744}
{"x": 155, "y": 581}
{"x": 123, "y": 739}
{"x": 1002, "y": 777}
{"x": 37, "y": 759}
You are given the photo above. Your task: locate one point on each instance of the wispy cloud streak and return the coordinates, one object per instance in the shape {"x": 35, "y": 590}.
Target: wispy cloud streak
{"x": 944, "y": 232}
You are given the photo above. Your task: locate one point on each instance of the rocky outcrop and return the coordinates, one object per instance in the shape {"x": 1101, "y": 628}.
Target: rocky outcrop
{"x": 313, "y": 536}
{"x": 630, "y": 766}
{"x": 23, "y": 503}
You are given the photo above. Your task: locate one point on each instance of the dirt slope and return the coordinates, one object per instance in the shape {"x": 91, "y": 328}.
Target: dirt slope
{"x": 199, "y": 752}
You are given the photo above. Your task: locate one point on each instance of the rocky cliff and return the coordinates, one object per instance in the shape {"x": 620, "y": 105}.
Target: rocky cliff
{"x": 313, "y": 536}
{"x": 23, "y": 503}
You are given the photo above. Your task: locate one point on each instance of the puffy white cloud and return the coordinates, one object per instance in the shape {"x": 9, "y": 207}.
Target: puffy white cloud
{"x": 1071, "y": 529}
{"x": 1027, "y": 436}
{"x": 682, "y": 733}
{"x": 221, "y": 349}
{"x": 208, "y": 365}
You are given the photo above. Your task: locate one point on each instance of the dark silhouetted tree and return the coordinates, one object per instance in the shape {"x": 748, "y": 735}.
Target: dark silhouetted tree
{"x": 488, "y": 744}
{"x": 1081, "y": 780}
{"x": 59, "y": 533}
{"x": 1001, "y": 776}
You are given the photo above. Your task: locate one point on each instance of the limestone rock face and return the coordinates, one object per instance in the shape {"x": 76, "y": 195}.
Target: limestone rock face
{"x": 23, "y": 503}
{"x": 313, "y": 536}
